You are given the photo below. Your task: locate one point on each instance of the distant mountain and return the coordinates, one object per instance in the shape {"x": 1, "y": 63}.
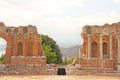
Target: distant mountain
{"x": 70, "y": 51}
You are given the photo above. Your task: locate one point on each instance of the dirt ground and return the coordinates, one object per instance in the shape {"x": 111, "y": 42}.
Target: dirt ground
{"x": 55, "y": 77}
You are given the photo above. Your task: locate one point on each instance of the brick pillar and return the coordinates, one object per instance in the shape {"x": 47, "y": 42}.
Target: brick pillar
{"x": 111, "y": 51}
{"x": 101, "y": 47}
{"x": 8, "y": 55}
{"x": 89, "y": 46}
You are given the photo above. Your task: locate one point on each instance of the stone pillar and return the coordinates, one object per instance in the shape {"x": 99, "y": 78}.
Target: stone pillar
{"x": 118, "y": 50}
{"x": 118, "y": 66}
{"x": 89, "y": 46}
{"x": 80, "y": 54}
{"x": 111, "y": 55}
{"x": 101, "y": 47}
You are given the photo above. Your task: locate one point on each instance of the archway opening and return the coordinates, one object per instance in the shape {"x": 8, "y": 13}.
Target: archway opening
{"x": 20, "y": 48}
{"x": 3, "y": 45}
{"x": 29, "y": 48}
{"x": 105, "y": 50}
{"x": 94, "y": 50}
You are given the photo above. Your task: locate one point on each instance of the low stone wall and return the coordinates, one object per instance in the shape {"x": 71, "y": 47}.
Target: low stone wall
{"x": 96, "y": 63}
{"x": 28, "y": 61}
{"x": 28, "y": 71}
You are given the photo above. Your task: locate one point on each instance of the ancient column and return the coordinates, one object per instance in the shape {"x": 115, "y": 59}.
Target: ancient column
{"x": 118, "y": 50}
{"x": 80, "y": 54}
{"x": 89, "y": 46}
{"x": 118, "y": 65}
{"x": 111, "y": 55}
{"x": 101, "y": 47}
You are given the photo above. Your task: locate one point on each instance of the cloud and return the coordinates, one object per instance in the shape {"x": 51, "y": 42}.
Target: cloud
{"x": 50, "y": 18}
{"x": 116, "y": 1}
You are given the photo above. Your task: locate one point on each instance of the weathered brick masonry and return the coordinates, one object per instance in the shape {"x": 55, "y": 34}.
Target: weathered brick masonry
{"x": 23, "y": 45}
{"x": 101, "y": 46}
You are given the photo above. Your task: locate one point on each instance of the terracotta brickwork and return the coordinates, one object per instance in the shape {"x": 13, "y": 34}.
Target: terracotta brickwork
{"x": 23, "y": 45}
{"x": 100, "y": 48}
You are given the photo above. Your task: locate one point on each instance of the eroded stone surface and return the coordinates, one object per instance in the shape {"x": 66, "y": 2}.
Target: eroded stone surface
{"x": 23, "y": 45}
{"x": 100, "y": 48}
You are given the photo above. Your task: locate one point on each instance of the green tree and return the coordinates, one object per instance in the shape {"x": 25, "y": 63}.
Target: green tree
{"x": 2, "y": 59}
{"x": 51, "y": 56}
{"x": 46, "y": 40}
{"x": 65, "y": 61}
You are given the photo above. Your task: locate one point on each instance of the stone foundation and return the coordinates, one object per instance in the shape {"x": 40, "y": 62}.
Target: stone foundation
{"x": 96, "y": 63}
{"x": 28, "y": 61}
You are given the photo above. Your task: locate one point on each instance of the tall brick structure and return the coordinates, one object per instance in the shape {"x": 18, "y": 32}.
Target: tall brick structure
{"x": 23, "y": 45}
{"x": 101, "y": 46}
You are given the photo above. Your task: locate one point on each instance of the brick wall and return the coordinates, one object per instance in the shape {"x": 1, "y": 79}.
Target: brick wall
{"x": 28, "y": 61}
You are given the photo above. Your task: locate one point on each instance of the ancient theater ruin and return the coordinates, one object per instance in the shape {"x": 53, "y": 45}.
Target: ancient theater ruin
{"x": 23, "y": 45}
{"x": 101, "y": 46}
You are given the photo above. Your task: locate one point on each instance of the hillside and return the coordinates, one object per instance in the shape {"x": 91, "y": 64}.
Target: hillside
{"x": 71, "y": 51}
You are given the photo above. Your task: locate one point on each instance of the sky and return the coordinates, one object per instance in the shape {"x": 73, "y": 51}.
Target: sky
{"x": 60, "y": 19}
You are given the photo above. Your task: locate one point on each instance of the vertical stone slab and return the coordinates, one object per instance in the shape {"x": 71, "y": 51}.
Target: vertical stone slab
{"x": 89, "y": 46}
{"x": 111, "y": 51}
{"x": 80, "y": 54}
{"x": 101, "y": 47}
{"x": 118, "y": 66}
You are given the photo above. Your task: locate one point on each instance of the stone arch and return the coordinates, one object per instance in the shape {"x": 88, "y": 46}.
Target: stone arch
{"x": 94, "y": 50}
{"x": 20, "y": 48}
{"x": 20, "y": 43}
{"x": 8, "y": 46}
{"x": 105, "y": 50}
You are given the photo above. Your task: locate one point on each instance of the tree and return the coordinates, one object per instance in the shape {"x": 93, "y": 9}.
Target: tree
{"x": 69, "y": 61}
{"x": 2, "y": 59}
{"x": 51, "y": 56}
{"x": 46, "y": 40}
{"x": 65, "y": 61}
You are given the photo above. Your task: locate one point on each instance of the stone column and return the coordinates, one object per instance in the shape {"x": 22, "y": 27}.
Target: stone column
{"x": 111, "y": 55}
{"x": 118, "y": 66}
{"x": 89, "y": 46}
{"x": 101, "y": 47}
{"x": 80, "y": 54}
{"x": 118, "y": 50}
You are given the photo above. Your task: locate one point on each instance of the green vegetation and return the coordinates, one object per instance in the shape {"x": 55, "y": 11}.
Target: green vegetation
{"x": 2, "y": 59}
{"x": 68, "y": 61}
{"x": 51, "y": 56}
{"x": 53, "y": 49}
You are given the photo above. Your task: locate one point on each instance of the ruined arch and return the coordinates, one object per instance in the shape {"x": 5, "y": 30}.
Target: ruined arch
{"x": 18, "y": 45}
{"x": 8, "y": 46}
{"x": 94, "y": 50}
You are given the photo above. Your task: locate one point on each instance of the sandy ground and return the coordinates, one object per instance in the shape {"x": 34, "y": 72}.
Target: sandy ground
{"x": 55, "y": 77}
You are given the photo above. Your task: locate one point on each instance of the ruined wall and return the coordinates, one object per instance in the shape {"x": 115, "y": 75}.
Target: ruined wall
{"x": 23, "y": 45}
{"x": 100, "y": 46}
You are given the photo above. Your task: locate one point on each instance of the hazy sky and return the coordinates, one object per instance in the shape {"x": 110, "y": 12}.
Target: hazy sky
{"x": 60, "y": 19}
